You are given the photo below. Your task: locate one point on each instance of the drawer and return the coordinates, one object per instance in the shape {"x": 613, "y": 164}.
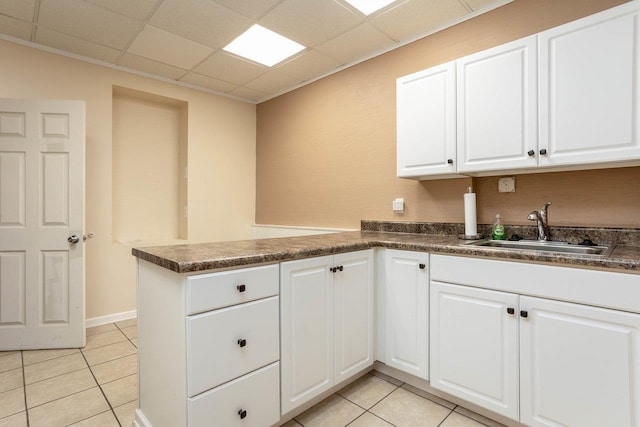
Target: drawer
{"x": 211, "y": 291}
{"x": 257, "y": 394}
{"x": 215, "y": 350}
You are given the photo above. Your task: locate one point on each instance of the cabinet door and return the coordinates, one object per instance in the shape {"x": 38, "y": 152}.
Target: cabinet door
{"x": 353, "y": 287}
{"x": 426, "y": 123}
{"x": 474, "y": 346}
{"x": 307, "y": 350}
{"x": 407, "y": 305}
{"x": 579, "y": 365}
{"x": 497, "y": 108}
{"x": 590, "y": 89}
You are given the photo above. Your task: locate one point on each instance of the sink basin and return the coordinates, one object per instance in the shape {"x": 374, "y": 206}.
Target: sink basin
{"x": 535, "y": 245}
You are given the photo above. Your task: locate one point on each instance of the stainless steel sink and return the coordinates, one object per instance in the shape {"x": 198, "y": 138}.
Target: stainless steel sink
{"x": 535, "y": 245}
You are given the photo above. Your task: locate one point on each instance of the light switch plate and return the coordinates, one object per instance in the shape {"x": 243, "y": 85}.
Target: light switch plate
{"x": 398, "y": 205}
{"x": 507, "y": 184}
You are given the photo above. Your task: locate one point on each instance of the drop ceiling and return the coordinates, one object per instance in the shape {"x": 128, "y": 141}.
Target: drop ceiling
{"x": 182, "y": 40}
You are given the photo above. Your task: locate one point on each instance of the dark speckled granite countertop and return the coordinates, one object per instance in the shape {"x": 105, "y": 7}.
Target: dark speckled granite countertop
{"x": 207, "y": 256}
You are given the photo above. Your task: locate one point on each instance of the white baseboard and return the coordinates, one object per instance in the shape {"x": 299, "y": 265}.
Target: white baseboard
{"x": 111, "y": 318}
{"x": 264, "y": 231}
{"x": 140, "y": 420}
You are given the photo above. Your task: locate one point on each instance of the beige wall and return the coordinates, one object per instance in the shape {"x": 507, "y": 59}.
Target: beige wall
{"x": 221, "y": 161}
{"x": 326, "y": 152}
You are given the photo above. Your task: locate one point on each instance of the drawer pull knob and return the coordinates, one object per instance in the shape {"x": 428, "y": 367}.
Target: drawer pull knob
{"x": 241, "y": 288}
{"x": 340, "y": 268}
{"x": 333, "y": 269}
{"x": 242, "y": 413}
{"x": 524, "y": 313}
{"x": 511, "y": 310}
{"x": 531, "y": 153}
{"x": 242, "y": 343}
{"x": 422, "y": 266}
{"x": 450, "y": 161}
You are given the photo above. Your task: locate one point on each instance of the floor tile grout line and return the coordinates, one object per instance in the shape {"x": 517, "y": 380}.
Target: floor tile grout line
{"x": 102, "y": 391}
{"x": 53, "y": 358}
{"x": 24, "y": 389}
{"x": 378, "y": 401}
{"x": 94, "y": 415}
{"x": 55, "y": 376}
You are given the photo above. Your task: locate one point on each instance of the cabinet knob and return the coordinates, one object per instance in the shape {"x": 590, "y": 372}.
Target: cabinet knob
{"x": 524, "y": 313}
{"x": 241, "y": 288}
{"x": 422, "y": 266}
{"x": 531, "y": 153}
{"x": 333, "y": 269}
{"x": 340, "y": 268}
{"x": 543, "y": 151}
{"x": 511, "y": 310}
{"x": 242, "y": 413}
{"x": 242, "y": 342}
{"x": 450, "y": 161}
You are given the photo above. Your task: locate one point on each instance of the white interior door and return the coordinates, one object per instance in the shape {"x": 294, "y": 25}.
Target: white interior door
{"x": 41, "y": 206}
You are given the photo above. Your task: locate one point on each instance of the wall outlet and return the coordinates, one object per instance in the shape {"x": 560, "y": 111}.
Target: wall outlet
{"x": 507, "y": 184}
{"x": 398, "y": 205}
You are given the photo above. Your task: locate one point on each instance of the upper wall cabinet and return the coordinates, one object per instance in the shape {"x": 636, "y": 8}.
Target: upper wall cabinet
{"x": 590, "y": 89}
{"x": 564, "y": 99}
{"x": 497, "y": 108}
{"x": 426, "y": 123}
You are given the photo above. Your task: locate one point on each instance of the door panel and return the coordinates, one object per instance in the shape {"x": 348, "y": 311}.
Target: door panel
{"x": 474, "y": 346}
{"x": 353, "y": 313}
{"x": 41, "y": 205}
{"x": 307, "y": 336}
{"x": 579, "y": 365}
{"x": 12, "y": 189}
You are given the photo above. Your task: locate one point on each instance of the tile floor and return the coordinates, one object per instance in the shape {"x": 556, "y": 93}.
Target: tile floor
{"x": 377, "y": 400}
{"x": 97, "y": 387}
{"x": 94, "y": 386}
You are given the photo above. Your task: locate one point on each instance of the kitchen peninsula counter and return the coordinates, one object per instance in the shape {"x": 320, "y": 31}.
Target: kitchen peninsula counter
{"x": 197, "y": 257}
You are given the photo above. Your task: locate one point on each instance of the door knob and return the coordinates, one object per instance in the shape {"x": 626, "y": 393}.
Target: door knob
{"x": 73, "y": 239}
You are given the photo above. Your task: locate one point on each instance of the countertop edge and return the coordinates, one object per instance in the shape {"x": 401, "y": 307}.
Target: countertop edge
{"x": 453, "y": 247}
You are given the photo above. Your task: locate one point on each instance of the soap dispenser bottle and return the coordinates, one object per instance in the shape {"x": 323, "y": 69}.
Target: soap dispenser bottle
{"x": 497, "y": 232}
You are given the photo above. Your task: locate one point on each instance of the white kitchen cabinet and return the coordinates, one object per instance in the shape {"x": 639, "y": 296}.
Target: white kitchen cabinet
{"x": 407, "y": 304}
{"x": 205, "y": 342}
{"x": 426, "y": 123}
{"x": 497, "y": 125}
{"x": 474, "y": 346}
{"x": 590, "y": 89}
{"x": 579, "y": 365}
{"x": 326, "y": 323}
{"x": 575, "y": 365}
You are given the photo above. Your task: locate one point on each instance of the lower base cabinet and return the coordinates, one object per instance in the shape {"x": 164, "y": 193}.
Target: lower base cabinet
{"x": 536, "y": 360}
{"x": 326, "y": 323}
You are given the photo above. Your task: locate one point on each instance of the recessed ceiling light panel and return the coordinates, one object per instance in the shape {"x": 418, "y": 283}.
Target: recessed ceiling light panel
{"x": 263, "y": 46}
{"x": 369, "y": 6}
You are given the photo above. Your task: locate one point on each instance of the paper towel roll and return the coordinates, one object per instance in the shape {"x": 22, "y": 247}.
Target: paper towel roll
{"x": 470, "y": 221}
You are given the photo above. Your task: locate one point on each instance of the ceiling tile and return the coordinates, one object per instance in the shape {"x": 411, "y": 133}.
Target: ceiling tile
{"x": 250, "y": 94}
{"x": 411, "y": 18}
{"x": 360, "y": 42}
{"x": 15, "y": 28}
{"x": 86, "y": 21}
{"x": 308, "y": 65}
{"x": 272, "y": 82}
{"x": 140, "y": 63}
{"x": 202, "y": 21}
{"x": 253, "y": 9}
{"x": 310, "y": 22}
{"x": 168, "y": 48}
{"x": 224, "y": 66}
{"x": 75, "y": 45}
{"x": 208, "y": 82}
{"x": 137, "y": 9}
{"x": 21, "y": 9}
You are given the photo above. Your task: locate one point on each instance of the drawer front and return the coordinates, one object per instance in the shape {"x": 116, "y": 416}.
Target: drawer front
{"x": 257, "y": 394}
{"x": 215, "y": 290}
{"x": 230, "y": 342}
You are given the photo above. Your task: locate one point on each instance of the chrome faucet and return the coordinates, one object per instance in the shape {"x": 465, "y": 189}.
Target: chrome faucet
{"x": 544, "y": 233}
